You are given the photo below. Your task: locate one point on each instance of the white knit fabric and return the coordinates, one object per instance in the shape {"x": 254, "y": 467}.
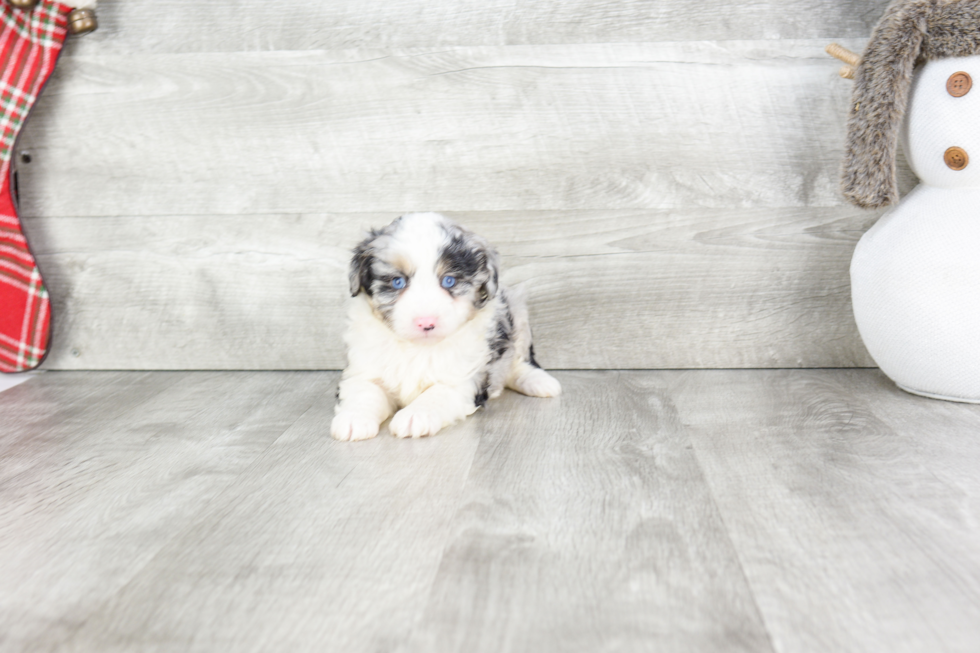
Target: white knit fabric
{"x": 935, "y": 121}
{"x": 915, "y": 275}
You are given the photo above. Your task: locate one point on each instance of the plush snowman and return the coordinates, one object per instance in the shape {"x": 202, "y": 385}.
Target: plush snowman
{"x": 915, "y": 275}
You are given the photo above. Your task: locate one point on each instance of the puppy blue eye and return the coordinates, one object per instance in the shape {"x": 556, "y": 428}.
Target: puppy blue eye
{"x": 398, "y": 283}
{"x": 448, "y": 281}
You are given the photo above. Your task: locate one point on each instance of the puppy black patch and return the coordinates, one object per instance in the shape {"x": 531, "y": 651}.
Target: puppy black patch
{"x": 480, "y": 400}
{"x": 472, "y": 261}
{"x": 383, "y": 294}
{"x": 501, "y": 339}
{"x": 530, "y": 358}
{"x": 462, "y": 260}
{"x": 361, "y": 274}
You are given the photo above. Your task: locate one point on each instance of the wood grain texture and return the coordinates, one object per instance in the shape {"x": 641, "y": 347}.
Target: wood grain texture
{"x": 785, "y": 511}
{"x": 57, "y": 399}
{"x": 607, "y": 126}
{"x": 189, "y": 26}
{"x": 97, "y": 495}
{"x": 586, "y": 525}
{"x": 318, "y": 546}
{"x": 60, "y": 402}
{"x": 853, "y": 505}
{"x": 205, "y": 175}
{"x": 661, "y": 289}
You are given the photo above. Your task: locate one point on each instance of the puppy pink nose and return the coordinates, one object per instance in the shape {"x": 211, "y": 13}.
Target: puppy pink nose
{"x": 427, "y": 323}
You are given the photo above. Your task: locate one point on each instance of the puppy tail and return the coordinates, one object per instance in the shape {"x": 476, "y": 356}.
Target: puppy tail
{"x": 533, "y": 381}
{"x": 515, "y": 300}
{"x": 526, "y": 376}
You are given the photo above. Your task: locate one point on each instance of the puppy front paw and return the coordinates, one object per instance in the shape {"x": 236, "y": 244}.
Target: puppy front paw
{"x": 351, "y": 426}
{"x": 411, "y": 422}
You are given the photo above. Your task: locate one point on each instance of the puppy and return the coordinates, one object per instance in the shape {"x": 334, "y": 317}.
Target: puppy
{"x": 431, "y": 332}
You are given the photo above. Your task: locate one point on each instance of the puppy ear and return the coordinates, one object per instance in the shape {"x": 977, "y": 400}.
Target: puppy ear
{"x": 491, "y": 269}
{"x": 361, "y": 275}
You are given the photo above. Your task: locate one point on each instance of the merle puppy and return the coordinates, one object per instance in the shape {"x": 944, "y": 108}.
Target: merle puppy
{"x": 432, "y": 334}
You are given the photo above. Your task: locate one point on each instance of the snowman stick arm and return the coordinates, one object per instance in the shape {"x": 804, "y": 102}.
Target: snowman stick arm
{"x": 852, "y": 59}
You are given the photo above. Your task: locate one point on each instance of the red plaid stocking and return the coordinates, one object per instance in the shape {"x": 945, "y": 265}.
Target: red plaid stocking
{"x": 30, "y": 41}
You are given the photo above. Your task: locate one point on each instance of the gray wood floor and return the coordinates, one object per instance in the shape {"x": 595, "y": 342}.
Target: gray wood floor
{"x": 778, "y": 510}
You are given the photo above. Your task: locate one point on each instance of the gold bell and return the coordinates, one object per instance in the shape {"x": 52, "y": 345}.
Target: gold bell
{"x": 82, "y": 21}
{"x": 24, "y": 4}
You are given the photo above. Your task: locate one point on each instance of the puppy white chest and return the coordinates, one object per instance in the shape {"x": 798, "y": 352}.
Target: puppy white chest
{"x": 406, "y": 369}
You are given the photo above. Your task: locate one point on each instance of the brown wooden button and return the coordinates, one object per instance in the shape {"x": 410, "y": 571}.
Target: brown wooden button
{"x": 82, "y": 21}
{"x": 959, "y": 84}
{"x": 956, "y": 158}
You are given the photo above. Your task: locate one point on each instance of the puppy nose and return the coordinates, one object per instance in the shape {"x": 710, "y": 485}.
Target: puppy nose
{"x": 425, "y": 323}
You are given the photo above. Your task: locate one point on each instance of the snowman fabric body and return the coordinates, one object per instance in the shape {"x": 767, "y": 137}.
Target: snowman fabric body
{"x": 915, "y": 275}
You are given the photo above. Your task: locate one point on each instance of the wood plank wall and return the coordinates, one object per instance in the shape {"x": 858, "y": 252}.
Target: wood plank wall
{"x": 662, "y": 175}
